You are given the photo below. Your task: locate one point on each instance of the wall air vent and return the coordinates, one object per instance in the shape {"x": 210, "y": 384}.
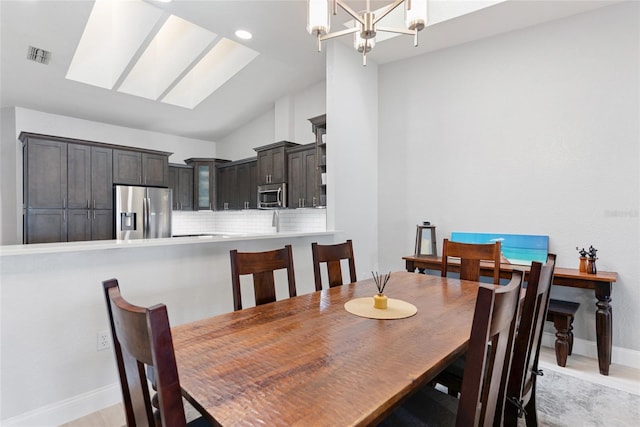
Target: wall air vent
{"x": 39, "y": 55}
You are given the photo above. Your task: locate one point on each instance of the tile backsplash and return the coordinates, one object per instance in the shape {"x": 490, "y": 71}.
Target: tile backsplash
{"x": 249, "y": 221}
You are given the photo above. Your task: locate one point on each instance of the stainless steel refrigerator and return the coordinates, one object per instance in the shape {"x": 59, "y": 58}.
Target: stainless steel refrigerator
{"x": 142, "y": 212}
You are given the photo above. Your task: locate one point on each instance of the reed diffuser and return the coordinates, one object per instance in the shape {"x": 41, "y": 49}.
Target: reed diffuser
{"x": 380, "y": 299}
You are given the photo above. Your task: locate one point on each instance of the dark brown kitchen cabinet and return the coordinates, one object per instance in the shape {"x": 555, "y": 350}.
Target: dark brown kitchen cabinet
{"x": 302, "y": 176}
{"x": 237, "y": 185}
{"x": 248, "y": 184}
{"x": 45, "y": 225}
{"x": 90, "y": 190}
{"x": 140, "y": 168}
{"x": 204, "y": 182}
{"x": 181, "y": 182}
{"x": 68, "y": 186}
{"x": 319, "y": 126}
{"x": 272, "y": 162}
{"x": 127, "y": 167}
{"x": 44, "y": 173}
{"x": 155, "y": 169}
{"x": 226, "y": 186}
{"x": 89, "y": 176}
{"x": 89, "y": 224}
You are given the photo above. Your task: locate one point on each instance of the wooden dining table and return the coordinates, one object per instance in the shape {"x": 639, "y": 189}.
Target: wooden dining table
{"x": 306, "y": 361}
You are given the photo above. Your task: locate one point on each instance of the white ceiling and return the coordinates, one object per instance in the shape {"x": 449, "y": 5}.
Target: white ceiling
{"x": 288, "y": 60}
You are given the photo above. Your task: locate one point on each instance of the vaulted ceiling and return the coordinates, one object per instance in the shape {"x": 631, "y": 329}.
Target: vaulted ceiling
{"x": 287, "y": 62}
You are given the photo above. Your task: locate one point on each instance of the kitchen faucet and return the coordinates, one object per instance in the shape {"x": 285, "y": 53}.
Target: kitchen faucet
{"x": 275, "y": 222}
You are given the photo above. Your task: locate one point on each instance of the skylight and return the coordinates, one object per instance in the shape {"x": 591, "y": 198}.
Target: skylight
{"x": 136, "y": 48}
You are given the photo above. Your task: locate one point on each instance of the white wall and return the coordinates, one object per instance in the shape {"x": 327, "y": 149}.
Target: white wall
{"x": 288, "y": 120}
{"x": 531, "y": 132}
{"x": 241, "y": 143}
{"x": 70, "y": 127}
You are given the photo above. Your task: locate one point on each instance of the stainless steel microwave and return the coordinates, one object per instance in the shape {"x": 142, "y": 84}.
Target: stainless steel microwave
{"x": 272, "y": 196}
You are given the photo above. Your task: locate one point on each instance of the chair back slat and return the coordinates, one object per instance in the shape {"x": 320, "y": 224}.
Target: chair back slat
{"x": 520, "y": 383}
{"x": 142, "y": 336}
{"x": 470, "y": 255}
{"x": 261, "y": 265}
{"x": 494, "y": 320}
{"x": 332, "y": 255}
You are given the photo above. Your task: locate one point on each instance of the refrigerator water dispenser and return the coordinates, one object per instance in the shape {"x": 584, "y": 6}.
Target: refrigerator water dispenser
{"x": 127, "y": 221}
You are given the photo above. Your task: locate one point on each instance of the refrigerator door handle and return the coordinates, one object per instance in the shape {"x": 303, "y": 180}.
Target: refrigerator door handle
{"x": 145, "y": 217}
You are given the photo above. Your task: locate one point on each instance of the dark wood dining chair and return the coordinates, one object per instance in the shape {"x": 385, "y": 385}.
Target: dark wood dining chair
{"x": 332, "y": 255}
{"x": 494, "y": 321}
{"x": 470, "y": 255}
{"x": 261, "y": 265}
{"x": 521, "y": 382}
{"x": 142, "y": 336}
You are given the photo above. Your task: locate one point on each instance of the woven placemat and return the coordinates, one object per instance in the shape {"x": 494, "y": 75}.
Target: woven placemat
{"x": 396, "y": 309}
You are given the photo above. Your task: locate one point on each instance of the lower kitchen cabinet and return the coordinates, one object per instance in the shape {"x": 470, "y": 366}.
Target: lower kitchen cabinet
{"x": 85, "y": 224}
{"x": 45, "y": 226}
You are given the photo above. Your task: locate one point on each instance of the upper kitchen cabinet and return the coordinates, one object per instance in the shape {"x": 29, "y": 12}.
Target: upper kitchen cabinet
{"x": 272, "y": 162}
{"x": 226, "y": 186}
{"x": 141, "y": 168}
{"x": 90, "y": 177}
{"x": 303, "y": 191}
{"x": 248, "y": 183}
{"x": 237, "y": 185}
{"x": 319, "y": 126}
{"x": 45, "y": 172}
{"x": 204, "y": 182}
{"x": 181, "y": 182}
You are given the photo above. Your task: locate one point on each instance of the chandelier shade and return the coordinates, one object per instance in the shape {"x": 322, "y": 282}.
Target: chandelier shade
{"x": 366, "y": 22}
{"x": 318, "y": 17}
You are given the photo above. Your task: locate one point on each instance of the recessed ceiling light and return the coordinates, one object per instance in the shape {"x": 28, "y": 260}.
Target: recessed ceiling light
{"x": 244, "y": 35}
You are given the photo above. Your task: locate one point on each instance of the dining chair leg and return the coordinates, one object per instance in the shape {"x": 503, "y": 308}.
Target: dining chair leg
{"x": 531, "y": 416}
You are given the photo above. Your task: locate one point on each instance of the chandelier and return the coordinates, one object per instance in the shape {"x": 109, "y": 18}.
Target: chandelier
{"x": 366, "y": 23}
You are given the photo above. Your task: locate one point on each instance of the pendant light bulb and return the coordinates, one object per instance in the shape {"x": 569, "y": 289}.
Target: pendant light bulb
{"x": 415, "y": 14}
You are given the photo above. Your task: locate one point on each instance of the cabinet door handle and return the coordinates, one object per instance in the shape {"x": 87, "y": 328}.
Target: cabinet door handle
{"x": 64, "y": 203}
{"x": 88, "y": 204}
{"x": 88, "y": 215}
{"x": 94, "y": 203}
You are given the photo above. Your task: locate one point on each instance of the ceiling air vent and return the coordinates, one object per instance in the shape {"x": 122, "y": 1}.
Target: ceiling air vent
{"x": 39, "y": 55}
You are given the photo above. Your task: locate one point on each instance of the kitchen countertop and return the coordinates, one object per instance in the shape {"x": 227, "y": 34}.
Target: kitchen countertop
{"x": 98, "y": 245}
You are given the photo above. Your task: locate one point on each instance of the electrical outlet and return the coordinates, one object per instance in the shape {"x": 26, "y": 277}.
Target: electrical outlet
{"x": 104, "y": 340}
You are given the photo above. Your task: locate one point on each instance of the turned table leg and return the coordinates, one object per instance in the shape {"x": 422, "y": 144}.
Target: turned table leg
{"x": 562, "y": 325}
{"x": 604, "y": 326}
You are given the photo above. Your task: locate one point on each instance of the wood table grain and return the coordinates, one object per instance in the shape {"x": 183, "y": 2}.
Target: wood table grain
{"x": 306, "y": 361}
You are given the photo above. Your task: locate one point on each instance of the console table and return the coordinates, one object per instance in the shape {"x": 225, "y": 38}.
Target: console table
{"x": 600, "y": 282}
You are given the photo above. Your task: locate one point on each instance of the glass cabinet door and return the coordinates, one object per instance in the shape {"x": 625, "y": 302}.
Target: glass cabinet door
{"x": 204, "y": 186}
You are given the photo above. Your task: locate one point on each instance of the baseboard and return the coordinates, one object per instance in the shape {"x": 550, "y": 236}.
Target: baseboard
{"x": 619, "y": 355}
{"x": 69, "y": 409}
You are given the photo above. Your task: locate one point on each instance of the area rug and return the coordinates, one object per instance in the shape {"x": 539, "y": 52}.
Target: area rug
{"x": 567, "y": 401}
